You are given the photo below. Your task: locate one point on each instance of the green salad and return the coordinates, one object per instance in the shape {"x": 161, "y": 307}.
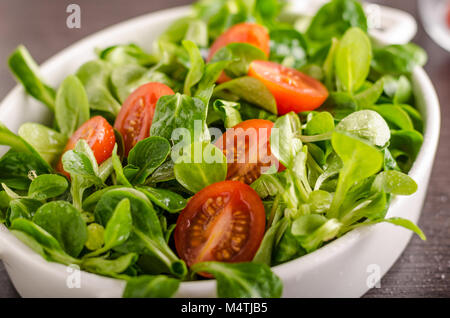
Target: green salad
{"x": 248, "y": 137}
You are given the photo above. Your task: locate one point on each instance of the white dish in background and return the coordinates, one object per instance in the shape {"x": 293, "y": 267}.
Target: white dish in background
{"x": 342, "y": 268}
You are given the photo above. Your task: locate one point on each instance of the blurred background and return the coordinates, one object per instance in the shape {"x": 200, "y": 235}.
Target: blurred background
{"x": 423, "y": 270}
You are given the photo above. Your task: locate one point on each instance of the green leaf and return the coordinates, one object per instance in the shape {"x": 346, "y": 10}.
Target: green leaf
{"x": 148, "y": 154}
{"x": 334, "y": 18}
{"x": 395, "y": 182}
{"x": 47, "y": 186}
{"x": 241, "y": 54}
{"x": 340, "y": 104}
{"x": 369, "y": 96}
{"x": 47, "y": 142}
{"x": 228, "y": 111}
{"x": 352, "y": 63}
{"x": 360, "y": 161}
{"x": 367, "y": 125}
{"x": 163, "y": 173}
{"x": 83, "y": 169}
{"x": 65, "y": 223}
{"x": 26, "y": 71}
{"x": 251, "y": 90}
{"x": 265, "y": 250}
{"x": 180, "y": 111}
{"x": 398, "y": 59}
{"x": 151, "y": 287}
{"x": 22, "y": 208}
{"x": 319, "y": 123}
{"x": 38, "y": 235}
{"x": 288, "y": 47}
{"x": 127, "y": 54}
{"x": 407, "y": 224}
{"x": 405, "y": 146}
{"x": 119, "y": 226}
{"x": 95, "y": 76}
{"x": 109, "y": 267}
{"x": 197, "y": 66}
{"x": 197, "y": 32}
{"x": 146, "y": 237}
{"x": 319, "y": 201}
{"x": 118, "y": 169}
{"x": 329, "y": 67}
{"x": 16, "y": 166}
{"x": 8, "y": 138}
{"x": 287, "y": 247}
{"x": 415, "y": 116}
{"x": 267, "y": 185}
{"x": 165, "y": 199}
{"x": 403, "y": 92}
{"x": 314, "y": 229}
{"x": 125, "y": 79}
{"x": 200, "y": 165}
{"x": 395, "y": 116}
{"x": 79, "y": 164}
{"x": 205, "y": 87}
{"x": 284, "y": 142}
{"x": 72, "y": 106}
{"x": 30, "y": 242}
{"x": 249, "y": 111}
{"x": 242, "y": 280}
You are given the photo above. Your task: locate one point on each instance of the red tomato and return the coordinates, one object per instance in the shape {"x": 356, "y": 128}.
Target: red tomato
{"x": 99, "y": 135}
{"x": 448, "y": 16}
{"x": 223, "y": 222}
{"x": 136, "y": 115}
{"x": 293, "y": 90}
{"x": 250, "y": 33}
{"x": 247, "y": 148}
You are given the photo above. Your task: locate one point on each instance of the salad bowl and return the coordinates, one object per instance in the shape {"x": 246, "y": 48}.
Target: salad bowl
{"x": 346, "y": 267}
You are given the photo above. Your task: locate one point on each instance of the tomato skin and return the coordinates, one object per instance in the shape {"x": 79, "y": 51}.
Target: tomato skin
{"x": 293, "y": 90}
{"x": 135, "y": 117}
{"x": 99, "y": 135}
{"x": 223, "y": 222}
{"x": 256, "y": 151}
{"x": 448, "y": 16}
{"x": 250, "y": 33}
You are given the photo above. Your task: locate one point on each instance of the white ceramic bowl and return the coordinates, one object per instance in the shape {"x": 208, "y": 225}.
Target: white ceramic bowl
{"x": 343, "y": 268}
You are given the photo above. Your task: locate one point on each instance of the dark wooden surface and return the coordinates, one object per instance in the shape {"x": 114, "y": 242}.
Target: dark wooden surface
{"x": 423, "y": 270}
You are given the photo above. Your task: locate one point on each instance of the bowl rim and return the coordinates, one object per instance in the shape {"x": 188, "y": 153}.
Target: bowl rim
{"x": 429, "y": 108}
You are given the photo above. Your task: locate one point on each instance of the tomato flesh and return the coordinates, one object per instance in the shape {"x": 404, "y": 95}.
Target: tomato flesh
{"x": 136, "y": 115}
{"x": 223, "y": 222}
{"x": 293, "y": 90}
{"x": 100, "y": 137}
{"x": 247, "y": 148}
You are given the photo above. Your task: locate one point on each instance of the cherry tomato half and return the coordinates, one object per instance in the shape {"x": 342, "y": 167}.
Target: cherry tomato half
{"x": 99, "y": 135}
{"x": 247, "y": 148}
{"x": 223, "y": 222}
{"x": 293, "y": 90}
{"x": 136, "y": 115}
{"x": 250, "y": 33}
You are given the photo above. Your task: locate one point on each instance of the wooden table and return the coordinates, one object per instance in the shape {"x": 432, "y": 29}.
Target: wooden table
{"x": 424, "y": 268}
